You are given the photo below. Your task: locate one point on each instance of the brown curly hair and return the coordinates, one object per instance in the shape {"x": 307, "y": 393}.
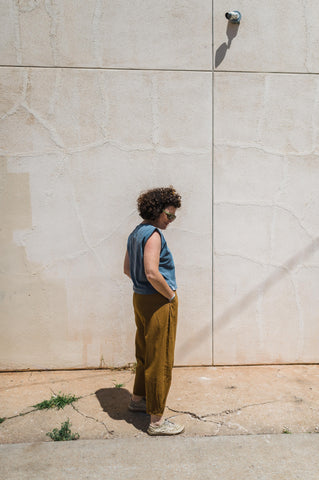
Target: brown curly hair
{"x": 151, "y": 203}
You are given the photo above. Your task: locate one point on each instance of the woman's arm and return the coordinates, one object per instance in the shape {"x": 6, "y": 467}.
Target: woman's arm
{"x": 127, "y": 265}
{"x": 152, "y": 252}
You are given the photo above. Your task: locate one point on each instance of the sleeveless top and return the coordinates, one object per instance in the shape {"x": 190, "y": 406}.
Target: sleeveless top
{"x": 135, "y": 247}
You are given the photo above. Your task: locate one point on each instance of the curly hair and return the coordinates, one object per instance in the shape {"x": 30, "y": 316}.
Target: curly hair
{"x": 151, "y": 203}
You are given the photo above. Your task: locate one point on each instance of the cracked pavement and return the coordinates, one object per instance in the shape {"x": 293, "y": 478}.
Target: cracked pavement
{"x": 209, "y": 401}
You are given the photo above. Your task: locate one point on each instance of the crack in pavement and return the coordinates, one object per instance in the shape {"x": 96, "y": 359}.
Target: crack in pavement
{"x": 19, "y": 415}
{"x": 203, "y": 418}
{"x": 110, "y": 432}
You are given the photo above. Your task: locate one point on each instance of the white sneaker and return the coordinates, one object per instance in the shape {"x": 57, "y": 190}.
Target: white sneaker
{"x": 166, "y": 428}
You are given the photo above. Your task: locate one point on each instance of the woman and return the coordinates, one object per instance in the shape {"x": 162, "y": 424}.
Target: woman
{"x": 149, "y": 264}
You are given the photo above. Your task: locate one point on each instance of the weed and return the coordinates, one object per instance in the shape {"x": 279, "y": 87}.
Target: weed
{"x": 286, "y": 430}
{"x": 64, "y": 434}
{"x": 56, "y": 401}
{"x": 2, "y": 419}
{"x": 118, "y": 385}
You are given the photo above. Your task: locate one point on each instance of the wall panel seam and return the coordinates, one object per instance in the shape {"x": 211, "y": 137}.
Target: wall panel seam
{"x": 212, "y": 183}
{"x": 253, "y": 72}
{"x": 107, "y": 68}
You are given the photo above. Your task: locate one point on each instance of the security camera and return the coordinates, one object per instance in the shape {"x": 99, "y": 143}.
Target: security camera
{"x": 234, "y": 16}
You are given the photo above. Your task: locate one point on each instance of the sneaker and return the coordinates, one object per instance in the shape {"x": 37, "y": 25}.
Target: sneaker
{"x": 139, "y": 406}
{"x": 166, "y": 428}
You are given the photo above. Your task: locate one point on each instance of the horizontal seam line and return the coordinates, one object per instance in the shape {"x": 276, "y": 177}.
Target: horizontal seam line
{"x": 107, "y": 68}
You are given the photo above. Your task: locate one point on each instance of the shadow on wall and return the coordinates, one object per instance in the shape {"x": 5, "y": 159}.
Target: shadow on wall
{"x": 114, "y": 401}
{"x": 231, "y": 32}
{"x": 243, "y": 303}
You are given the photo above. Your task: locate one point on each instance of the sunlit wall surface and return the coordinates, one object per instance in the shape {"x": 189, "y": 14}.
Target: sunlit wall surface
{"x": 102, "y": 99}
{"x": 266, "y": 177}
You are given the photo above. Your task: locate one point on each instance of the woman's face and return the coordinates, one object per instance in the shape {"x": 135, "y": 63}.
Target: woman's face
{"x": 165, "y": 218}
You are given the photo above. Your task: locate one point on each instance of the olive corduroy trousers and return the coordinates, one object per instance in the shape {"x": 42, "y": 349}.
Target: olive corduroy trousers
{"x": 156, "y": 322}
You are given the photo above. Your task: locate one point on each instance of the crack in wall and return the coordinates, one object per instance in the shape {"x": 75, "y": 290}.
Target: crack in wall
{"x": 268, "y": 205}
{"x": 262, "y": 116}
{"x": 104, "y": 124}
{"x": 15, "y": 108}
{"x": 249, "y": 259}
{"x": 75, "y": 255}
{"x": 54, "y": 136}
{"x": 52, "y": 10}
{"x": 264, "y": 149}
{"x": 90, "y": 247}
{"x": 306, "y": 36}
{"x": 315, "y": 123}
{"x": 91, "y": 146}
{"x": 96, "y": 33}
{"x": 262, "y": 286}
{"x": 56, "y": 92}
{"x": 81, "y": 223}
{"x": 17, "y": 30}
{"x": 278, "y": 195}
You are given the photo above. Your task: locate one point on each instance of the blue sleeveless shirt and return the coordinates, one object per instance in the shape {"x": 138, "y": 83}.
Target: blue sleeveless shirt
{"x": 135, "y": 247}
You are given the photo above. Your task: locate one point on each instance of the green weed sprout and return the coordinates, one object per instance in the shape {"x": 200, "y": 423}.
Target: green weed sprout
{"x": 64, "y": 434}
{"x": 56, "y": 401}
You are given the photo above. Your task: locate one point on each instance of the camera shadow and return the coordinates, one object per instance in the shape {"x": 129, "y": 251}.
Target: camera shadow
{"x": 114, "y": 401}
{"x": 231, "y": 32}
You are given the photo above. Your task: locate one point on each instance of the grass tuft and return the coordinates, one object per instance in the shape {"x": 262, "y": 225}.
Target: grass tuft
{"x": 63, "y": 434}
{"x": 56, "y": 401}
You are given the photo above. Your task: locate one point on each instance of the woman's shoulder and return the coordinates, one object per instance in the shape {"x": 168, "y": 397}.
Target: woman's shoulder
{"x": 143, "y": 229}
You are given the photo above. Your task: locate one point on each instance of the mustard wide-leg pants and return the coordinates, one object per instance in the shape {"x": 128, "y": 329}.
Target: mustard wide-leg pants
{"x": 156, "y": 321}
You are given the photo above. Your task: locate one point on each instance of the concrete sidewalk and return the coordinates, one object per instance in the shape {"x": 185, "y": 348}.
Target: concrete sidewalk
{"x": 235, "y": 418}
{"x": 244, "y": 457}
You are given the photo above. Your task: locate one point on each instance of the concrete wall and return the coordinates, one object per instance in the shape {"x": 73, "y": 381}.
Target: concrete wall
{"x": 102, "y": 99}
{"x": 266, "y": 176}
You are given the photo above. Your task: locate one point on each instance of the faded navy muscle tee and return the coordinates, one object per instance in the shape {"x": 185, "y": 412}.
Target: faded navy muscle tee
{"x": 135, "y": 247}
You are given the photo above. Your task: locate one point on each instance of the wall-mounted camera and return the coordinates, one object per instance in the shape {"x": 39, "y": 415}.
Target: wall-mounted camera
{"x": 234, "y": 16}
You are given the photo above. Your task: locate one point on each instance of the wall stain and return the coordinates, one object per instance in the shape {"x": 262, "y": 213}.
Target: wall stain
{"x": 33, "y": 308}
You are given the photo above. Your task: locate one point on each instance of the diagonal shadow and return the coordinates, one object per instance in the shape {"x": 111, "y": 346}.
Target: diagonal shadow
{"x": 114, "y": 401}
{"x": 222, "y": 320}
{"x": 231, "y": 32}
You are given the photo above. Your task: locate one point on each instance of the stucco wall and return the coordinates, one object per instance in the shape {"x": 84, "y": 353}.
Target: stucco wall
{"x": 102, "y": 99}
{"x": 266, "y": 176}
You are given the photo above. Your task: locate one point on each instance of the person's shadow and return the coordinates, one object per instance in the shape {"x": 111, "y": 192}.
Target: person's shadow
{"x": 114, "y": 401}
{"x": 231, "y": 32}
